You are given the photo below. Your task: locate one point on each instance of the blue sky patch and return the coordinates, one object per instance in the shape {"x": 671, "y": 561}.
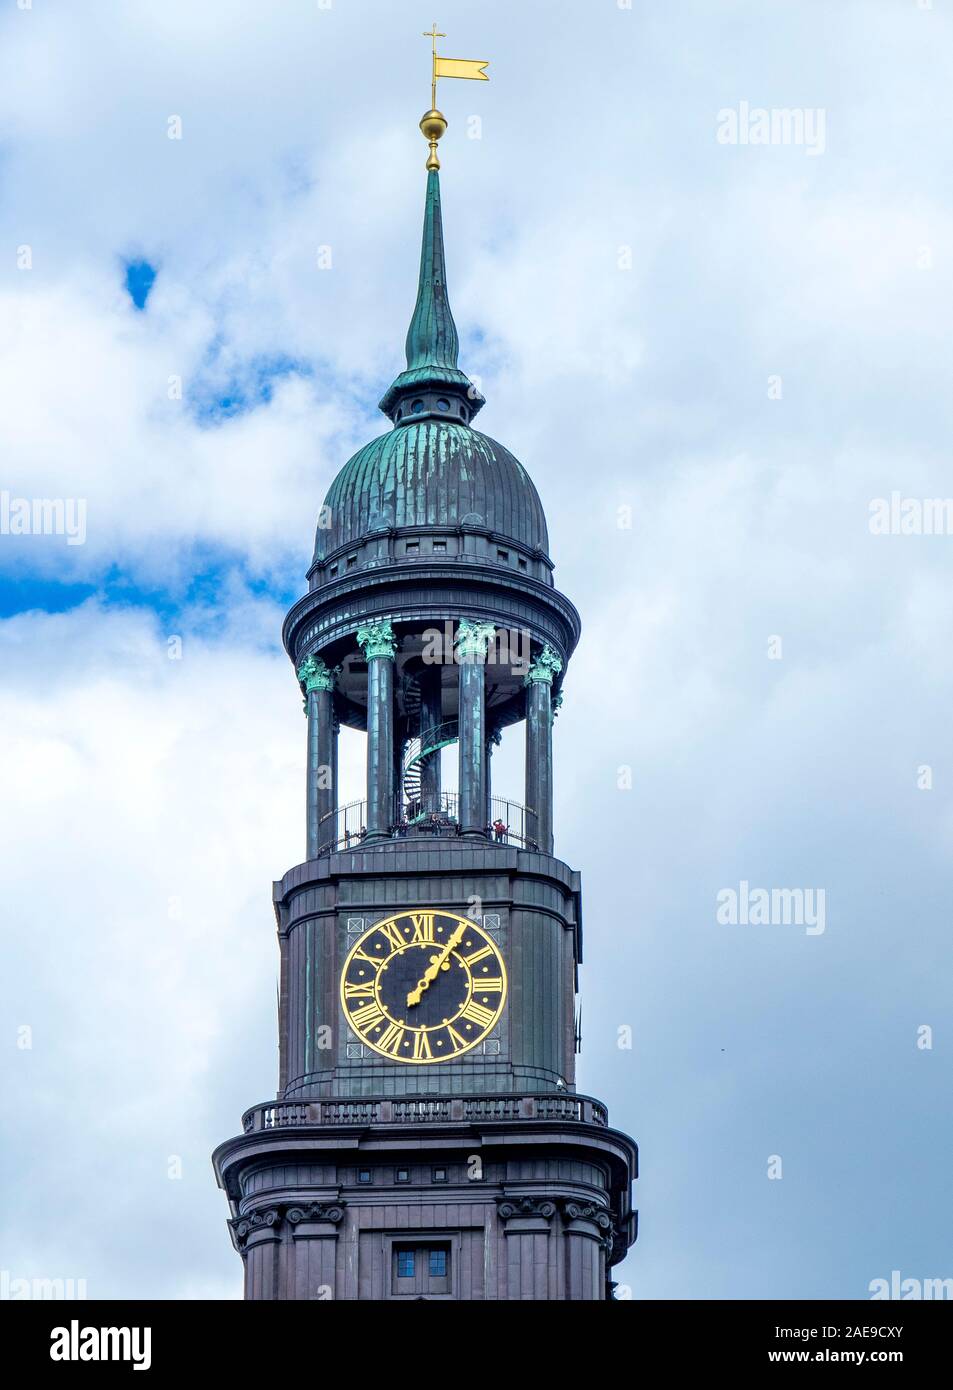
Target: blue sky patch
{"x": 140, "y": 277}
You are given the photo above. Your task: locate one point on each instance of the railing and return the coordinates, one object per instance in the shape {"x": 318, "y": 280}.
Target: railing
{"x": 291, "y": 1114}
{"x": 346, "y": 828}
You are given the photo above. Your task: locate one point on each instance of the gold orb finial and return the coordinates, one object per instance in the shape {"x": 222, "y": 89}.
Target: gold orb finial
{"x": 433, "y": 123}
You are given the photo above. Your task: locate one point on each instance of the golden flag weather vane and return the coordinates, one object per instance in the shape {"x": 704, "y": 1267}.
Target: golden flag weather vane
{"x": 434, "y": 123}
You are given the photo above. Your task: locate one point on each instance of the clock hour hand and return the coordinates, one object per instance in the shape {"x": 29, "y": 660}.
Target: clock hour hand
{"x": 433, "y": 969}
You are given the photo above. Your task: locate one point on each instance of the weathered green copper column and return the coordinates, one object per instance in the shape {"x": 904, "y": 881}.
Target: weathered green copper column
{"x": 472, "y": 641}
{"x": 493, "y": 740}
{"x": 317, "y": 685}
{"x": 539, "y": 747}
{"x": 431, "y": 716}
{"x": 335, "y": 784}
{"x": 379, "y": 645}
{"x": 400, "y": 743}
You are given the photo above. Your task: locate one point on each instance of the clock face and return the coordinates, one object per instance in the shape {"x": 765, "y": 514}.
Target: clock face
{"x": 423, "y": 986}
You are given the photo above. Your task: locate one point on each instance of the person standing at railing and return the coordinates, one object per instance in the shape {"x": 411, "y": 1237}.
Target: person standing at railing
{"x": 500, "y": 831}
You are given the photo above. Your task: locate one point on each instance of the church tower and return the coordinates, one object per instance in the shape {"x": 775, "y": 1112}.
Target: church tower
{"x": 427, "y": 1140}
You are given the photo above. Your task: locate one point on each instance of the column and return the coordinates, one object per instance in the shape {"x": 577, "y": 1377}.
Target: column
{"x": 400, "y": 743}
{"x": 539, "y": 747}
{"x": 317, "y": 686}
{"x": 379, "y": 645}
{"x": 431, "y": 717}
{"x": 493, "y": 740}
{"x": 472, "y": 641}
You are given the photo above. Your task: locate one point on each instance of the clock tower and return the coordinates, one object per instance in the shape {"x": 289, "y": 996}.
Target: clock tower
{"x": 427, "y": 1139}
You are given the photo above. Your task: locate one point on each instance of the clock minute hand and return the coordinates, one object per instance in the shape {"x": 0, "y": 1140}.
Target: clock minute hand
{"x": 433, "y": 969}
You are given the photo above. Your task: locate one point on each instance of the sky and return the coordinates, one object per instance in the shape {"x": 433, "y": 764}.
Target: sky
{"x": 713, "y": 354}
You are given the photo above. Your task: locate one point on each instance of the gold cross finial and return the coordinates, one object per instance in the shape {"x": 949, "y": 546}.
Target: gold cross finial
{"x": 434, "y": 123}
{"x": 434, "y": 34}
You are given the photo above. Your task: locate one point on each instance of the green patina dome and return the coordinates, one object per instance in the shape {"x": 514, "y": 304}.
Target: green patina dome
{"x": 433, "y": 469}
{"x": 433, "y": 473}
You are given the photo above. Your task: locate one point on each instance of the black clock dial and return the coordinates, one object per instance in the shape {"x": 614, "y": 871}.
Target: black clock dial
{"x": 423, "y": 986}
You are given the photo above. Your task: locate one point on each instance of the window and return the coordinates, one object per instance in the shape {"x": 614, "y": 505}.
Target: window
{"x": 351, "y": 560}
{"x": 440, "y": 1175}
{"x": 417, "y": 407}
{"x": 363, "y": 1174}
{"x": 440, "y": 545}
{"x": 332, "y": 572}
{"x": 443, "y": 404}
{"x": 413, "y": 547}
{"x": 521, "y": 562}
{"x": 503, "y": 555}
{"x": 403, "y": 1175}
{"x": 421, "y": 1270}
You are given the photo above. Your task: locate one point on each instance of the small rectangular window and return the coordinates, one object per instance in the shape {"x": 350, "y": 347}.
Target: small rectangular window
{"x": 440, "y": 1175}
{"x": 421, "y": 1271}
{"x": 440, "y": 545}
{"x": 503, "y": 555}
{"x": 413, "y": 547}
{"x": 332, "y": 572}
{"x": 403, "y": 1175}
{"x": 364, "y": 1175}
{"x": 521, "y": 562}
{"x": 351, "y": 561}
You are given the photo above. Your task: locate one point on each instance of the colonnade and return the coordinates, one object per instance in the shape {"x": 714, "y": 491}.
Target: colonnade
{"x": 475, "y": 737}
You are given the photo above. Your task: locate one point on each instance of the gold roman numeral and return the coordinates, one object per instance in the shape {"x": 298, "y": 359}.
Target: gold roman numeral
{"x": 390, "y": 1040}
{"x": 491, "y": 985}
{"x": 458, "y": 1041}
{"x": 361, "y": 954}
{"x": 367, "y": 1015}
{"x": 478, "y": 955}
{"x": 393, "y": 935}
{"x": 423, "y": 926}
{"x": 358, "y": 991}
{"x": 422, "y": 1052}
{"x": 478, "y": 1013}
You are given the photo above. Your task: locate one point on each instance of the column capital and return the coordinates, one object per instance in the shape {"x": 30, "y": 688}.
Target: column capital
{"x": 315, "y": 675}
{"x": 377, "y": 639}
{"x": 547, "y": 665}
{"x": 473, "y": 638}
{"x": 329, "y": 1212}
{"x": 256, "y": 1228}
